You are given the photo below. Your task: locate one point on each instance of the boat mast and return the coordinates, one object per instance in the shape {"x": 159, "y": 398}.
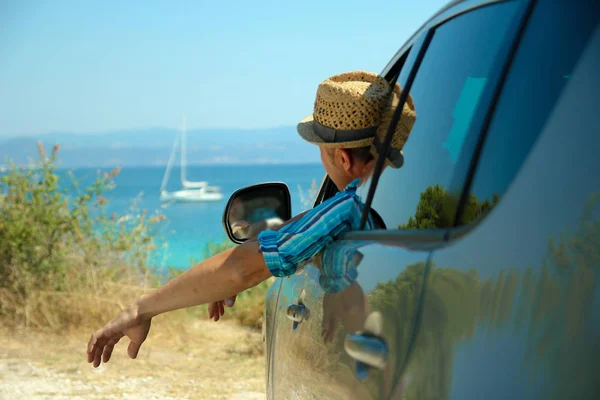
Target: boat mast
{"x": 183, "y": 150}
{"x": 163, "y": 186}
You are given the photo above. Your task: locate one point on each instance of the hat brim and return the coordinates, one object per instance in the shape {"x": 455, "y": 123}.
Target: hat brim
{"x": 306, "y": 130}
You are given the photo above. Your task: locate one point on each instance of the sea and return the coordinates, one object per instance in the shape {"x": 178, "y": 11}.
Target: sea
{"x": 189, "y": 227}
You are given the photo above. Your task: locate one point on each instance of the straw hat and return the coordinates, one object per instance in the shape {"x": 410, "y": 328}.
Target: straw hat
{"x": 354, "y": 110}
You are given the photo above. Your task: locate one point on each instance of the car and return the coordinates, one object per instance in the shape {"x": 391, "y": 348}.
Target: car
{"x": 484, "y": 282}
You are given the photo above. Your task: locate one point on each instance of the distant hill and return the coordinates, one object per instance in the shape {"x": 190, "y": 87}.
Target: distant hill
{"x": 152, "y": 146}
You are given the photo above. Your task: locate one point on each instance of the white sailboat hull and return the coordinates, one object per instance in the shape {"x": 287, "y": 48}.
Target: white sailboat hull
{"x": 190, "y": 196}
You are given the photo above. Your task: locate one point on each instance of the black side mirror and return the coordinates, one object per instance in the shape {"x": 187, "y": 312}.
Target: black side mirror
{"x": 255, "y": 208}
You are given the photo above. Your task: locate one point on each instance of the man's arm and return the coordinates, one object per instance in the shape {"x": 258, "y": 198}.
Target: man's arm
{"x": 218, "y": 277}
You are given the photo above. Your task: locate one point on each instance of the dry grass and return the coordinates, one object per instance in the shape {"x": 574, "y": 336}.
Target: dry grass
{"x": 325, "y": 372}
{"x": 198, "y": 360}
{"x": 186, "y": 355}
{"x": 66, "y": 268}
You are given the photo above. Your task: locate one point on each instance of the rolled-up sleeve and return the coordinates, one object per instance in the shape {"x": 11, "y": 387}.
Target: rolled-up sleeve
{"x": 296, "y": 243}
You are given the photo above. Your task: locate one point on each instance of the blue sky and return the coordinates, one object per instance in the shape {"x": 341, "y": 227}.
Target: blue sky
{"x": 83, "y": 66}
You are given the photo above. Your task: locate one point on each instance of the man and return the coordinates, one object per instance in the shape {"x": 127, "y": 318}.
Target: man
{"x": 350, "y": 111}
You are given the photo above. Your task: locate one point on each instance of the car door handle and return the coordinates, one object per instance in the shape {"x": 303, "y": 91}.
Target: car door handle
{"x": 367, "y": 347}
{"x": 297, "y": 313}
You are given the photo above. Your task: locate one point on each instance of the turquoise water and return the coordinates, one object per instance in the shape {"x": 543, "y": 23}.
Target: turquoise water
{"x": 190, "y": 226}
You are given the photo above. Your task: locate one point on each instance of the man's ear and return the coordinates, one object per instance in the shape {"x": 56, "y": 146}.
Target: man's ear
{"x": 344, "y": 158}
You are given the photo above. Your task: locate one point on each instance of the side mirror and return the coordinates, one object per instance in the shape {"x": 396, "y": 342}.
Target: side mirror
{"x": 255, "y": 208}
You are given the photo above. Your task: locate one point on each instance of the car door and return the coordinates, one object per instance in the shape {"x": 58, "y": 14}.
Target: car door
{"x": 511, "y": 307}
{"x": 346, "y": 321}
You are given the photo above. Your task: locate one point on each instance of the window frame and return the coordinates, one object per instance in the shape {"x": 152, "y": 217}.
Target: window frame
{"x": 445, "y": 14}
{"x": 461, "y": 229}
{"x": 418, "y": 238}
{"x": 462, "y": 185}
{"x": 450, "y": 11}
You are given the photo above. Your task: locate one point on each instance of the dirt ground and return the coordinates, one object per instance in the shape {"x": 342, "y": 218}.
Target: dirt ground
{"x": 208, "y": 361}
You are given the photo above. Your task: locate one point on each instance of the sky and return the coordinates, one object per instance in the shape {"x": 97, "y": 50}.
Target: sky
{"x": 88, "y": 67}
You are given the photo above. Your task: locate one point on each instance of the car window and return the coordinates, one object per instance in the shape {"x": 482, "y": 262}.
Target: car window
{"x": 452, "y": 82}
{"x": 527, "y": 100}
{"x": 522, "y": 288}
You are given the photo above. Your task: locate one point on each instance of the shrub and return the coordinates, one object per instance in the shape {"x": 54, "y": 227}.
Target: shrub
{"x": 62, "y": 259}
{"x": 65, "y": 263}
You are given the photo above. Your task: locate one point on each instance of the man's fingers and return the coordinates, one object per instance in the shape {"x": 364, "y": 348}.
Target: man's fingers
{"x": 100, "y": 350}
{"x": 133, "y": 349}
{"x": 90, "y": 348}
{"x": 107, "y": 353}
{"x": 98, "y": 356}
{"x": 217, "y": 313}
{"x": 230, "y": 301}
{"x": 216, "y": 309}
{"x": 213, "y": 310}
{"x": 108, "y": 349}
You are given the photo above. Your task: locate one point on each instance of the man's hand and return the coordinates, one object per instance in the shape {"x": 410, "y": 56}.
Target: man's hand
{"x": 127, "y": 323}
{"x": 229, "y": 272}
{"x": 216, "y": 309}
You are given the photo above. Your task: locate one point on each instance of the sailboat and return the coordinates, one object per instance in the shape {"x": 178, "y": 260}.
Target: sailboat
{"x": 190, "y": 191}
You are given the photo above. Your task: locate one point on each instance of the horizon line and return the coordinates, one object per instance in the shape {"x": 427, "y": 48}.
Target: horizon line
{"x": 141, "y": 128}
{"x": 241, "y": 164}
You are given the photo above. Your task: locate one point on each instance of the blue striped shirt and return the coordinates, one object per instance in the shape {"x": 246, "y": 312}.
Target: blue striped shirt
{"x": 338, "y": 265}
{"x": 298, "y": 242}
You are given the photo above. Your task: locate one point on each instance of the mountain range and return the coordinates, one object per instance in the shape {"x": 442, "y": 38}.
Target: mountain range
{"x": 152, "y": 146}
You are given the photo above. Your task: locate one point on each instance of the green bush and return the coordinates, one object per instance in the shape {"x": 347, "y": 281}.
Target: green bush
{"x": 65, "y": 263}
{"x": 57, "y": 249}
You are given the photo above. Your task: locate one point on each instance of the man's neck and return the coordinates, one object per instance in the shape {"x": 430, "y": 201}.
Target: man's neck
{"x": 346, "y": 182}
